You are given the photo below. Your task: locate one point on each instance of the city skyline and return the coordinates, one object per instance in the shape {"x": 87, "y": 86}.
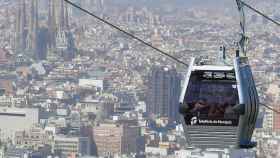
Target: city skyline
{"x": 71, "y": 86}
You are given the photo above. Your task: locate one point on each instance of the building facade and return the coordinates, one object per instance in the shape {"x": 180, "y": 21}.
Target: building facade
{"x": 33, "y": 138}
{"x": 163, "y": 94}
{"x": 16, "y": 119}
{"x": 68, "y": 146}
{"x": 115, "y": 138}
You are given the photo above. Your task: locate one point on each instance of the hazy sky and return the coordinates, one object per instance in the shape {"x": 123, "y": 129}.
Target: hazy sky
{"x": 178, "y": 2}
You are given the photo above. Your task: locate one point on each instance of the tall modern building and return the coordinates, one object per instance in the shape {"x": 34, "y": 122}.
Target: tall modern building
{"x": 163, "y": 93}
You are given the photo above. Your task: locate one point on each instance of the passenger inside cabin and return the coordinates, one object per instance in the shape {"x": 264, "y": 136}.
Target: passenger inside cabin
{"x": 224, "y": 107}
{"x": 201, "y": 106}
{"x": 230, "y": 101}
{"x": 217, "y": 110}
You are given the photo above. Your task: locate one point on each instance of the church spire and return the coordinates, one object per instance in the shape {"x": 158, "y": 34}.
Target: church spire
{"x": 22, "y": 26}
{"x": 62, "y": 16}
{"x": 36, "y": 15}
{"x": 52, "y": 23}
{"x": 18, "y": 24}
{"x": 66, "y": 17}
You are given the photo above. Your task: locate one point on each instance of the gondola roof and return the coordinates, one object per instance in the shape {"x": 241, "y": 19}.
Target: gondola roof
{"x": 213, "y": 68}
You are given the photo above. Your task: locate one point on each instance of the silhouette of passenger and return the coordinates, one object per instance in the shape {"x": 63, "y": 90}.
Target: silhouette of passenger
{"x": 230, "y": 101}
{"x": 201, "y": 106}
{"x": 217, "y": 110}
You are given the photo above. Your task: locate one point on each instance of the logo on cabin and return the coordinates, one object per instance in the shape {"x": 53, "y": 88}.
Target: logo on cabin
{"x": 194, "y": 120}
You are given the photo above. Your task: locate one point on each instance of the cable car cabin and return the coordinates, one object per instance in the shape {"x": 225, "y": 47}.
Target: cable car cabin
{"x": 219, "y": 105}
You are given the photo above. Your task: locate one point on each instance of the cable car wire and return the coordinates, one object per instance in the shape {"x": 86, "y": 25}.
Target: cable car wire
{"x": 148, "y": 44}
{"x": 157, "y": 49}
{"x": 125, "y": 32}
{"x": 270, "y": 108}
{"x": 260, "y": 13}
{"x": 273, "y": 21}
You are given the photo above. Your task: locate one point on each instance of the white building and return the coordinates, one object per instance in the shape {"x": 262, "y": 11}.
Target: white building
{"x": 215, "y": 153}
{"x": 90, "y": 83}
{"x": 268, "y": 120}
{"x": 156, "y": 151}
{"x": 16, "y": 119}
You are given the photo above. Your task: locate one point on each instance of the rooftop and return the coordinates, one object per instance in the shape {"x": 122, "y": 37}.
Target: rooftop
{"x": 213, "y": 68}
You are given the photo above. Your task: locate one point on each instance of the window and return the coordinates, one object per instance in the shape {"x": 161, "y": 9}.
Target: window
{"x": 212, "y": 96}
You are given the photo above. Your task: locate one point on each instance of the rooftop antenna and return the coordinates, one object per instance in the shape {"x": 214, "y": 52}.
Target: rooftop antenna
{"x": 244, "y": 39}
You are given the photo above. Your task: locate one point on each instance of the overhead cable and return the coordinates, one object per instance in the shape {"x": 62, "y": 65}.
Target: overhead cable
{"x": 157, "y": 49}
{"x": 270, "y": 108}
{"x": 125, "y": 32}
{"x": 260, "y": 13}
